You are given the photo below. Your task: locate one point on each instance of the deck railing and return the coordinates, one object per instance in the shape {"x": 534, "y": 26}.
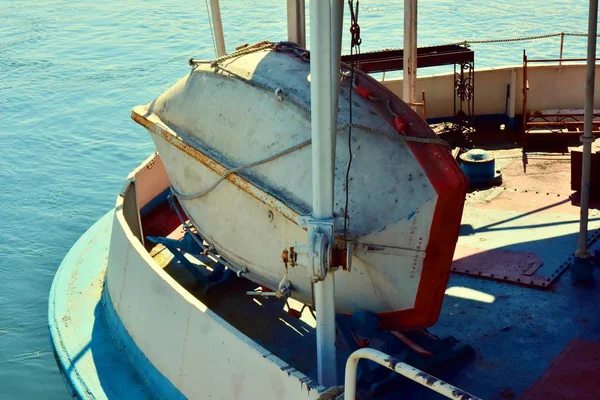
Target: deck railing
{"x": 401, "y": 368}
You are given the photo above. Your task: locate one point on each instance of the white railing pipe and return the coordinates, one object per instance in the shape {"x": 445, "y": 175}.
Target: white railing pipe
{"x": 215, "y": 11}
{"x": 588, "y": 138}
{"x": 401, "y": 368}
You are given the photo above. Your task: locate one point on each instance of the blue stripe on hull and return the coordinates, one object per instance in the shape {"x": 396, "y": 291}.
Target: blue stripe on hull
{"x": 97, "y": 357}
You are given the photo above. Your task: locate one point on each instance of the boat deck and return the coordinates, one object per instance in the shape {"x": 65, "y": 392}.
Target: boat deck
{"x": 511, "y": 297}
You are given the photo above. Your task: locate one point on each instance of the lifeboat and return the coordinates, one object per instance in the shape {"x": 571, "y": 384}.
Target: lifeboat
{"x": 235, "y": 138}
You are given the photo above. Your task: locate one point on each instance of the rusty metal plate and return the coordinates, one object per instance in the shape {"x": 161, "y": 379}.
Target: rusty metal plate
{"x": 518, "y": 267}
{"x": 521, "y": 236}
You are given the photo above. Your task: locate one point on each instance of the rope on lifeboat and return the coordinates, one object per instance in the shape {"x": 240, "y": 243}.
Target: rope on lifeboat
{"x": 387, "y": 134}
{"x": 391, "y": 135}
{"x": 277, "y": 91}
{"x": 396, "y": 135}
{"x": 239, "y": 169}
{"x": 282, "y": 95}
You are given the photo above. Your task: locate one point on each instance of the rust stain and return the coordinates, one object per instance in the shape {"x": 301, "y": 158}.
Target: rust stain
{"x": 375, "y": 248}
{"x": 429, "y": 380}
{"x": 237, "y": 180}
{"x": 460, "y": 395}
{"x": 392, "y": 362}
{"x": 338, "y": 257}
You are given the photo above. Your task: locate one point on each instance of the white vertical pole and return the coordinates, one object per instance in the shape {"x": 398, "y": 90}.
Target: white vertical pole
{"x": 215, "y": 11}
{"x": 322, "y": 176}
{"x": 562, "y": 45}
{"x": 325, "y": 310}
{"x": 296, "y": 22}
{"x": 337, "y": 21}
{"x": 512, "y": 99}
{"x": 587, "y": 138}
{"x": 409, "y": 69}
{"x": 321, "y": 105}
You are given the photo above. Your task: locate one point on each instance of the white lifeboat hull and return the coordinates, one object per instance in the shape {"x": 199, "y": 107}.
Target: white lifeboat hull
{"x": 405, "y": 197}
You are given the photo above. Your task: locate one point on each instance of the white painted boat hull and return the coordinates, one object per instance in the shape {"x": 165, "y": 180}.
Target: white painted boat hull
{"x": 401, "y": 193}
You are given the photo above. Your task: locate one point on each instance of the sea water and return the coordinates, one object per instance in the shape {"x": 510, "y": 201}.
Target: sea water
{"x": 70, "y": 71}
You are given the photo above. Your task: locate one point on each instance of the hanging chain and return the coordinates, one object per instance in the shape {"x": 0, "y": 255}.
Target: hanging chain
{"x": 518, "y": 39}
{"x": 507, "y": 40}
{"x": 354, "y": 44}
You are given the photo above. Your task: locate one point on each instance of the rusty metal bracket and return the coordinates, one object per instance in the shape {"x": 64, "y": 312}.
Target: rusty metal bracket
{"x": 316, "y": 254}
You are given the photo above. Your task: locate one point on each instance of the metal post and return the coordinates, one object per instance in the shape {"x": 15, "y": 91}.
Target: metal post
{"x": 587, "y": 138}
{"x": 322, "y": 175}
{"x": 562, "y": 44}
{"x": 215, "y": 11}
{"x": 512, "y": 99}
{"x": 409, "y": 71}
{"x": 337, "y": 22}
{"x": 524, "y": 109}
{"x": 296, "y": 22}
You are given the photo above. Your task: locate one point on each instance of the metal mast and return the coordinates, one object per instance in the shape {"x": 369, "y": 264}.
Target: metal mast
{"x": 215, "y": 11}
{"x": 326, "y": 18}
{"x": 588, "y": 138}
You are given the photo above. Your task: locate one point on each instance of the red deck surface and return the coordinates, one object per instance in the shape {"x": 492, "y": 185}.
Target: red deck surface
{"x": 574, "y": 374}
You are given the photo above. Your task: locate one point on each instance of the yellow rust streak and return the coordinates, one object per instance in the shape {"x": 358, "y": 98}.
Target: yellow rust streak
{"x": 259, "y": 194}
